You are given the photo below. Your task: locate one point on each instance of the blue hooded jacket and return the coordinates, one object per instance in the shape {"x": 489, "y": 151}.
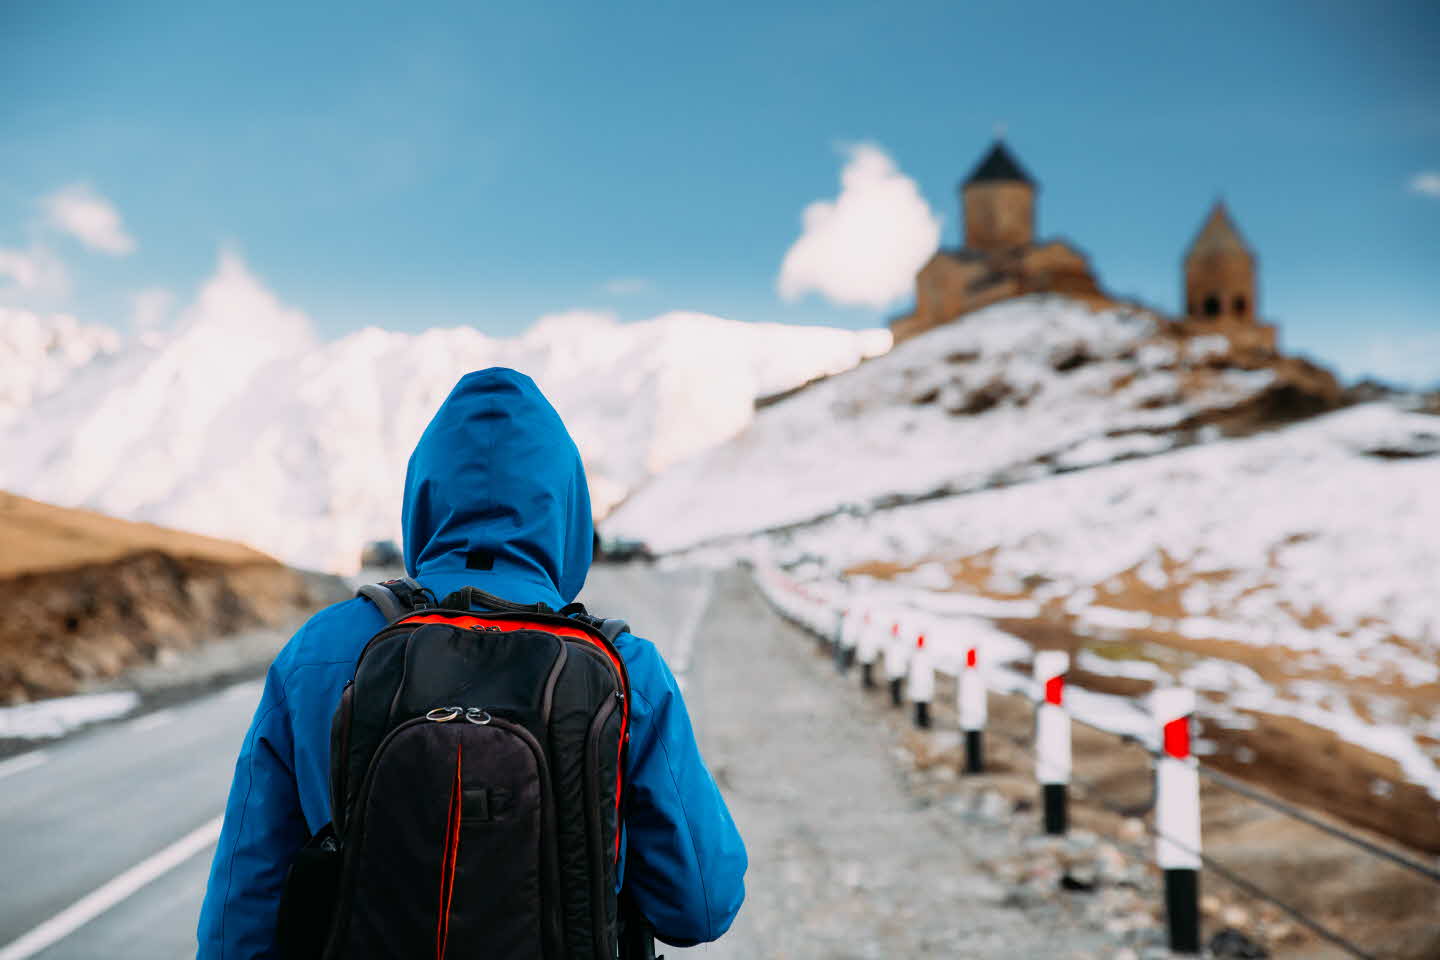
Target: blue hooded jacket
{"x": 495, "y": 472}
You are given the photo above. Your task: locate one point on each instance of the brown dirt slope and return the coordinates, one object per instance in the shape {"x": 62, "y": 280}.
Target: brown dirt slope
{"x": 89, "y": 596}
{"x": 37, "y": 536}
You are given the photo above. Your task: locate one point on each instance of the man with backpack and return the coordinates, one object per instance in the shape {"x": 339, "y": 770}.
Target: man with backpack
{"x": 466, "y": 764}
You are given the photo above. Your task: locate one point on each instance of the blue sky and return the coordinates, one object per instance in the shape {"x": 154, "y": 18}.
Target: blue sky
{"x": 486, "y": 164}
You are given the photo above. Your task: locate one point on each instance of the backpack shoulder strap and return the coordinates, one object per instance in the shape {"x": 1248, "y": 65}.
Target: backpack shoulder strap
{"x": 609, "y": 628}
{"x": 613, "y": 628}
{"x": 397, "y": 597}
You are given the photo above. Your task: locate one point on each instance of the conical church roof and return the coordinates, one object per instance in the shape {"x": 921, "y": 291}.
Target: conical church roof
{"x": 998, "y": 164}
{"x": 1218, "y": 237}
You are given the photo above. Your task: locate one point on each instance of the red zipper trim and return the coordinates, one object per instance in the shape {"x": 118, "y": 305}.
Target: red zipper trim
{"x": 466, "y": 620}
{"x": 619, "y": 759}
{"x": 559, "y": 630}
{"x": 449, "y": 860}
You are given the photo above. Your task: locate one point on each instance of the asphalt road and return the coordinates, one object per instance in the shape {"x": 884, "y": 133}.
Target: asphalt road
{"x": 107, "y": 836}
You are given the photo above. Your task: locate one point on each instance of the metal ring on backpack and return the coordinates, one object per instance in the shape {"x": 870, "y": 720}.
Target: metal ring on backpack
{"x": 444, "y": 714}
{"x": 473, "y": 712}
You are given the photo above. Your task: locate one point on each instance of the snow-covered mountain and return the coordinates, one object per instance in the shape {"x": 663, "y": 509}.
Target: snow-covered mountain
{"x": 1089, "y": 477}
{"x": 38, "y": 353}
{"x": 1023, "y": 389}
{"x": 242, "y": 424}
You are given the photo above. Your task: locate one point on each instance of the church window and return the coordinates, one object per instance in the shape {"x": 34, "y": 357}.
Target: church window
{"x": 1212, "y": 306}
{"x": 1238, "y": 306}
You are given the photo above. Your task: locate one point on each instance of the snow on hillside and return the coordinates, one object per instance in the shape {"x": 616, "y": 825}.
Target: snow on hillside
{"x": 1303, "y": 537}
{"x": 1292, "y": 572}
{"x": 241, "y": 424}
{"x": 1020, "y": 389}
{"x": 38, "y": 354}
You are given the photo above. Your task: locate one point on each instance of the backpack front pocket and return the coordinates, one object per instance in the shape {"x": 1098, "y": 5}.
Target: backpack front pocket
{"x": 448, "y": 856}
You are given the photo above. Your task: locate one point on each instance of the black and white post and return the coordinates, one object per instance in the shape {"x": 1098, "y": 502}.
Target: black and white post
{"x": 1177, "y": 816}
{"x": 973, "y": 709}
{"x": 1052, "y": 738}
{"x": 867, "y": 649}
{"x": 895, "y": 665}
{"x": 837, "y": 632}
{"x": 822, "y": 619}
{"x": 845, "y": 638}
{"x": 922, "y": 681}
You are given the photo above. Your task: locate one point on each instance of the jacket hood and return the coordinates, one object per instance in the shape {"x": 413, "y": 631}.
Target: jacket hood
{"x": 495, "y": 493}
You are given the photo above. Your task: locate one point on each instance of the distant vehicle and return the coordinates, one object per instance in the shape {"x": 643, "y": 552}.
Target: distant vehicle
{"x": 621, "y": 551}
{"x": 381, "y": 553}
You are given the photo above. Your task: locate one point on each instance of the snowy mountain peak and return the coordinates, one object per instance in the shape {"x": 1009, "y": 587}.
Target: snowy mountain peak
{"x": 240, "y": 424}
{"x": 234, "y": 309}
{"x": 38, "y": 354}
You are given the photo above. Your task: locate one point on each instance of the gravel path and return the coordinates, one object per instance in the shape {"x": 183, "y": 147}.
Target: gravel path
{"x": 845, "y": 861}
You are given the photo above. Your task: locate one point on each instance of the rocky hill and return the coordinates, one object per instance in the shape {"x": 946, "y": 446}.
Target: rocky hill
{"x": 91, "y": 595}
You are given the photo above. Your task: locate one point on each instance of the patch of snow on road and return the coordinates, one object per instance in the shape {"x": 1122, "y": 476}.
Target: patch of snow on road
{"x": 47, "y": 719}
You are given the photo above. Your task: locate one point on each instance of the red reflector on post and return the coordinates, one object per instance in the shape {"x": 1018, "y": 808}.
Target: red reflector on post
{"x": 970, "y": 657}
{"x": 1054, "y": 690}
{"x": 920, "y": 642}
{"x": 1177, "y": 738}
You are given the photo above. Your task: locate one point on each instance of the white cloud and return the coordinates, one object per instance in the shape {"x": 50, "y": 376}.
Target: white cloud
{"x": 626, "y": 286}
{"x": 1426, "y": 183}
{"x": 864, "y": 247}
{"x": 81, "y": 212}
{"x": 35, "y": 270}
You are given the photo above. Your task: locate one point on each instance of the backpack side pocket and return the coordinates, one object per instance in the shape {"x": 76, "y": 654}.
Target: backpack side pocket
{"x": 307, "y": 905}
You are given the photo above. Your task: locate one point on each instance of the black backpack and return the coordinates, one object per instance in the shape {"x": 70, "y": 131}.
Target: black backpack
{"x": 476, "y": 768}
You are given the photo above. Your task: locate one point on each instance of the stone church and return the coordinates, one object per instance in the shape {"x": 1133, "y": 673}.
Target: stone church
{"x": 1002, "y": 259}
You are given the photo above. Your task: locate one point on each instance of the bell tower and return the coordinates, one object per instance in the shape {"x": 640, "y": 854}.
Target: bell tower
{"x": 998, "y": 200}
{"x": 1220, "y": 272}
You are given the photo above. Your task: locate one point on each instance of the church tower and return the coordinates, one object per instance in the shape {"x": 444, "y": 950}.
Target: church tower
{"x": 998, "y": 200}
{"x": 1220, "y": 272}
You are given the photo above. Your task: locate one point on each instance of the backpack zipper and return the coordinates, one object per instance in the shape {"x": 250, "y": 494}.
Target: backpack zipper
{"x": 480, "y": 717}
{"x": 597, "y": 844}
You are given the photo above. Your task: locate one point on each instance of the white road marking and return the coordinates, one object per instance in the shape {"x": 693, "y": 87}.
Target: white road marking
{"x": 26, "y": 761}
{"x": 93, "y": 904}
{"x": 151, "y": 721}
{"x": 685, "y": 639}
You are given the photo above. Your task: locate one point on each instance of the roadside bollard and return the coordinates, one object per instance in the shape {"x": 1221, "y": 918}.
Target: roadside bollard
{"x": 1177, "y": 816}
{"x": 849, "y": 638}
{"x": 822, "y": 619}
{"x": 973, "y": 710}
{"x": 1052, "y": 738}
{"x": 922, "y": 681}
{"x": 895, "y": 666}
{"x": 867, "y": 650}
